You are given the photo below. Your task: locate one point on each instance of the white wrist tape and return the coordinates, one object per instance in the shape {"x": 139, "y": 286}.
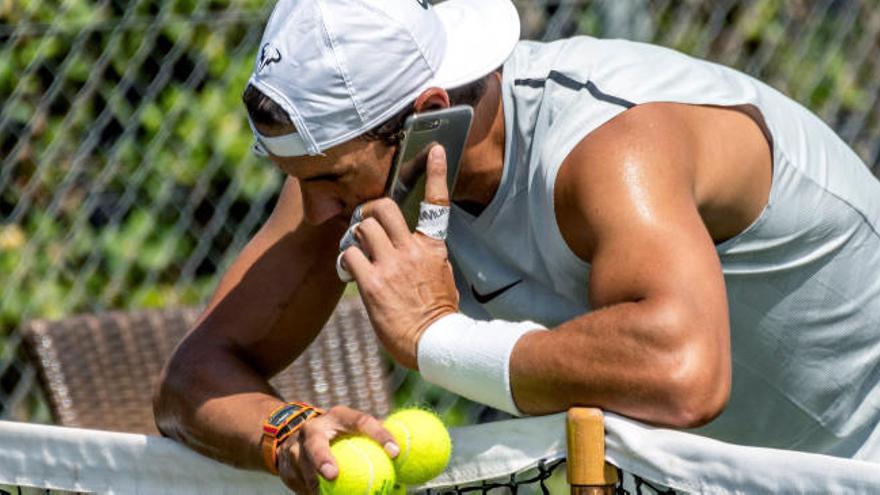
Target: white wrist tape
{"x": 433, "y": 220}
{"x": 472, "y": 357}
{"x": 341, "y": 272}
{"x": 346, "y": 242}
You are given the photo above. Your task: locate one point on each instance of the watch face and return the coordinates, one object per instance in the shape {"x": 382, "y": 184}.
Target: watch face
{"x": 294, "y": 423}
{"x": 282, "y": 415}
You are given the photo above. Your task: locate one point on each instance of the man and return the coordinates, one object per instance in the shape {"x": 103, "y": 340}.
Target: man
{"x": 632, "y": 229}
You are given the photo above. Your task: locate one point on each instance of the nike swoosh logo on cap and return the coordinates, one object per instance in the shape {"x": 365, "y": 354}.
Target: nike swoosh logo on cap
{"x": 484, "y": 298}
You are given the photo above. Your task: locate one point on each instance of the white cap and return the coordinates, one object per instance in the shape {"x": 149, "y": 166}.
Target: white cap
{"x": 341, "y": 67}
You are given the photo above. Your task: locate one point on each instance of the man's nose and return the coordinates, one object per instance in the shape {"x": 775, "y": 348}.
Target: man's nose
{"x": 320, "y": 206}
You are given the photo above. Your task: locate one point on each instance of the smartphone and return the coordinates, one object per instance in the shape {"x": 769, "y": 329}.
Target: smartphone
{"x": 406, "y": 182}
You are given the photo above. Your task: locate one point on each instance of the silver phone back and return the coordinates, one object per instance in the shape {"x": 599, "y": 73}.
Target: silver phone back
{"x": 448, "y": 127}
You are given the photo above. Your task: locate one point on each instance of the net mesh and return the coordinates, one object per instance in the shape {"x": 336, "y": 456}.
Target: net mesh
{"x": 536, "y": 484}
{"x": 541, "y": 481}
{"x": 537, "y": 480}
{"x": 520, "y": 456}
{"x": 519, "y": 484}
{"x": 548, "y": 478}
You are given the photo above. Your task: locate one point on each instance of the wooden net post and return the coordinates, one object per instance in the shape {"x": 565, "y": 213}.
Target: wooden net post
{"x": 588, "y": 473}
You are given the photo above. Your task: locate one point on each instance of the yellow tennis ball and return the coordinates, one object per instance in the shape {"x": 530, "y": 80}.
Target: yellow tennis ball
{"x": 424, "y": 444}
{"x": 364, "y": 469}
{"x": 399, "y": 489}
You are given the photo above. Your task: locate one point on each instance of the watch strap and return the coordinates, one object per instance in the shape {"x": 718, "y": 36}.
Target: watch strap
{"x": 283, "y": 422}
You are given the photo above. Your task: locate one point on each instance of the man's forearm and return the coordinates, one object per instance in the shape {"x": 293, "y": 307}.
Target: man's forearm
{"x": 215, "y": 404}
{"x": 214, "y": 394}
{"x": 642, "y": 360}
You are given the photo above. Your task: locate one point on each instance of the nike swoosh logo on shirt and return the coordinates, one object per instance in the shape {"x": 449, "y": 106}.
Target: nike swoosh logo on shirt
{"x": 484, "y": 298}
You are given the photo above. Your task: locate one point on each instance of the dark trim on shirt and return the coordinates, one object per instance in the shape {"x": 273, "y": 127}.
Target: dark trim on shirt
{"x": 567, "y": 82}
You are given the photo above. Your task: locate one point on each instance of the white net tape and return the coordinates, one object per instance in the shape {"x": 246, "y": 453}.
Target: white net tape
{"x": 94, "y": 461}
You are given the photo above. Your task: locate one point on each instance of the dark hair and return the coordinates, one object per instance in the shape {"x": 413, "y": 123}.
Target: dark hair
{"x": 264, "y": 111}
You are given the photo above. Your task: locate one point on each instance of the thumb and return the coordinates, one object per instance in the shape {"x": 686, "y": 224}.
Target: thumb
{"x": 436, "y": 191}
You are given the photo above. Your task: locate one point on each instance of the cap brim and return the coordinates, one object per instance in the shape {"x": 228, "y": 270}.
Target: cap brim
{"x": 480, "y": 35}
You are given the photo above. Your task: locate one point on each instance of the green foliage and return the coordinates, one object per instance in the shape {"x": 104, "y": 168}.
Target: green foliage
{"x": 127, "y": 121}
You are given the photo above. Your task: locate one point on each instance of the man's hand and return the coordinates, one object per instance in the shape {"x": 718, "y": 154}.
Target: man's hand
{"x": 307, "y": 452}
{"x": 405, "y": 278}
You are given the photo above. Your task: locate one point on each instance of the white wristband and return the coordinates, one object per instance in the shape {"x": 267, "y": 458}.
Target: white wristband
{"x": 472, "y": 357}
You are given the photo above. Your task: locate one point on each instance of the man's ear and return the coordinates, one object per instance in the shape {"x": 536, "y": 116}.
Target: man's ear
{"x": 431, "y": 99}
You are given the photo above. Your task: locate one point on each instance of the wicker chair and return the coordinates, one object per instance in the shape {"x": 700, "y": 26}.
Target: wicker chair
{"x": 98, "y": 371}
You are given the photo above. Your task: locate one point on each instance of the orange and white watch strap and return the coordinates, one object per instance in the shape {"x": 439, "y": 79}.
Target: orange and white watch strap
{"x": 284, "y": 421}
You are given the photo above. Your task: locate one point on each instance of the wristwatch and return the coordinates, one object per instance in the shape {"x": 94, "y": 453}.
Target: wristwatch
{"x": 283, "y": 422}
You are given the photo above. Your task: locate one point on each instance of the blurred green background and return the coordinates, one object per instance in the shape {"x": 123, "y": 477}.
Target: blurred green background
{"x": 126, "y": 179}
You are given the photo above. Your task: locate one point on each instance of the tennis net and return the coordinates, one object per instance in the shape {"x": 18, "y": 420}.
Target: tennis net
{"x": 513, "y": 456}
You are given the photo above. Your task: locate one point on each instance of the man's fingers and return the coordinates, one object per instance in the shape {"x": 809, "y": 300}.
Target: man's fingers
{"x": 388, "y": 214}
{"x": 434, "y": 210}
{"x": 436, "y": 190}
{"x": 357, "y": 264}
{"x": 289, "y": 467}
{"x": 373, "y": 428}
{"x": 317, "y": 449}
{"x": 374, "y": 239}
{"x": 308, "y": 467}
{"x": 358, "y": 422}
{"x": 316, "y": 440}
{"x": 307, "y": 453}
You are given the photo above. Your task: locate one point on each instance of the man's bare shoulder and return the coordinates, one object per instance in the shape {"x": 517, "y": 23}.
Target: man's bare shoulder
{"x": 651, "y": 133}
{"x": 717, "y": 158}
{"x": 622, "y": 165}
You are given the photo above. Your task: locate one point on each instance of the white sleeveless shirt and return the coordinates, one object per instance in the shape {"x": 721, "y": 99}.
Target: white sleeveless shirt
{"x": 803, "y": 281}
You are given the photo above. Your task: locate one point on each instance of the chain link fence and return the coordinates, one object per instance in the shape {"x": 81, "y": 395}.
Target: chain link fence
{"x": 126, "y": 179}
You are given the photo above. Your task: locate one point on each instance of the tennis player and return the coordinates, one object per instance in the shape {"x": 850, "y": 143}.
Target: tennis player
{"x": 632, "y": 229}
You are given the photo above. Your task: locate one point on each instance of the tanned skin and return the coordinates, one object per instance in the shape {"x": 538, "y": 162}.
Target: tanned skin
{"x": 661, "y": 329}
{"x": 643, "y": 199}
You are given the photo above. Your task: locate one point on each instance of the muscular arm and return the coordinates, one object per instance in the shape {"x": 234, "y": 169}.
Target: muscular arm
{"x": 269, "y": 306}
{"x": 656, "y": 348}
